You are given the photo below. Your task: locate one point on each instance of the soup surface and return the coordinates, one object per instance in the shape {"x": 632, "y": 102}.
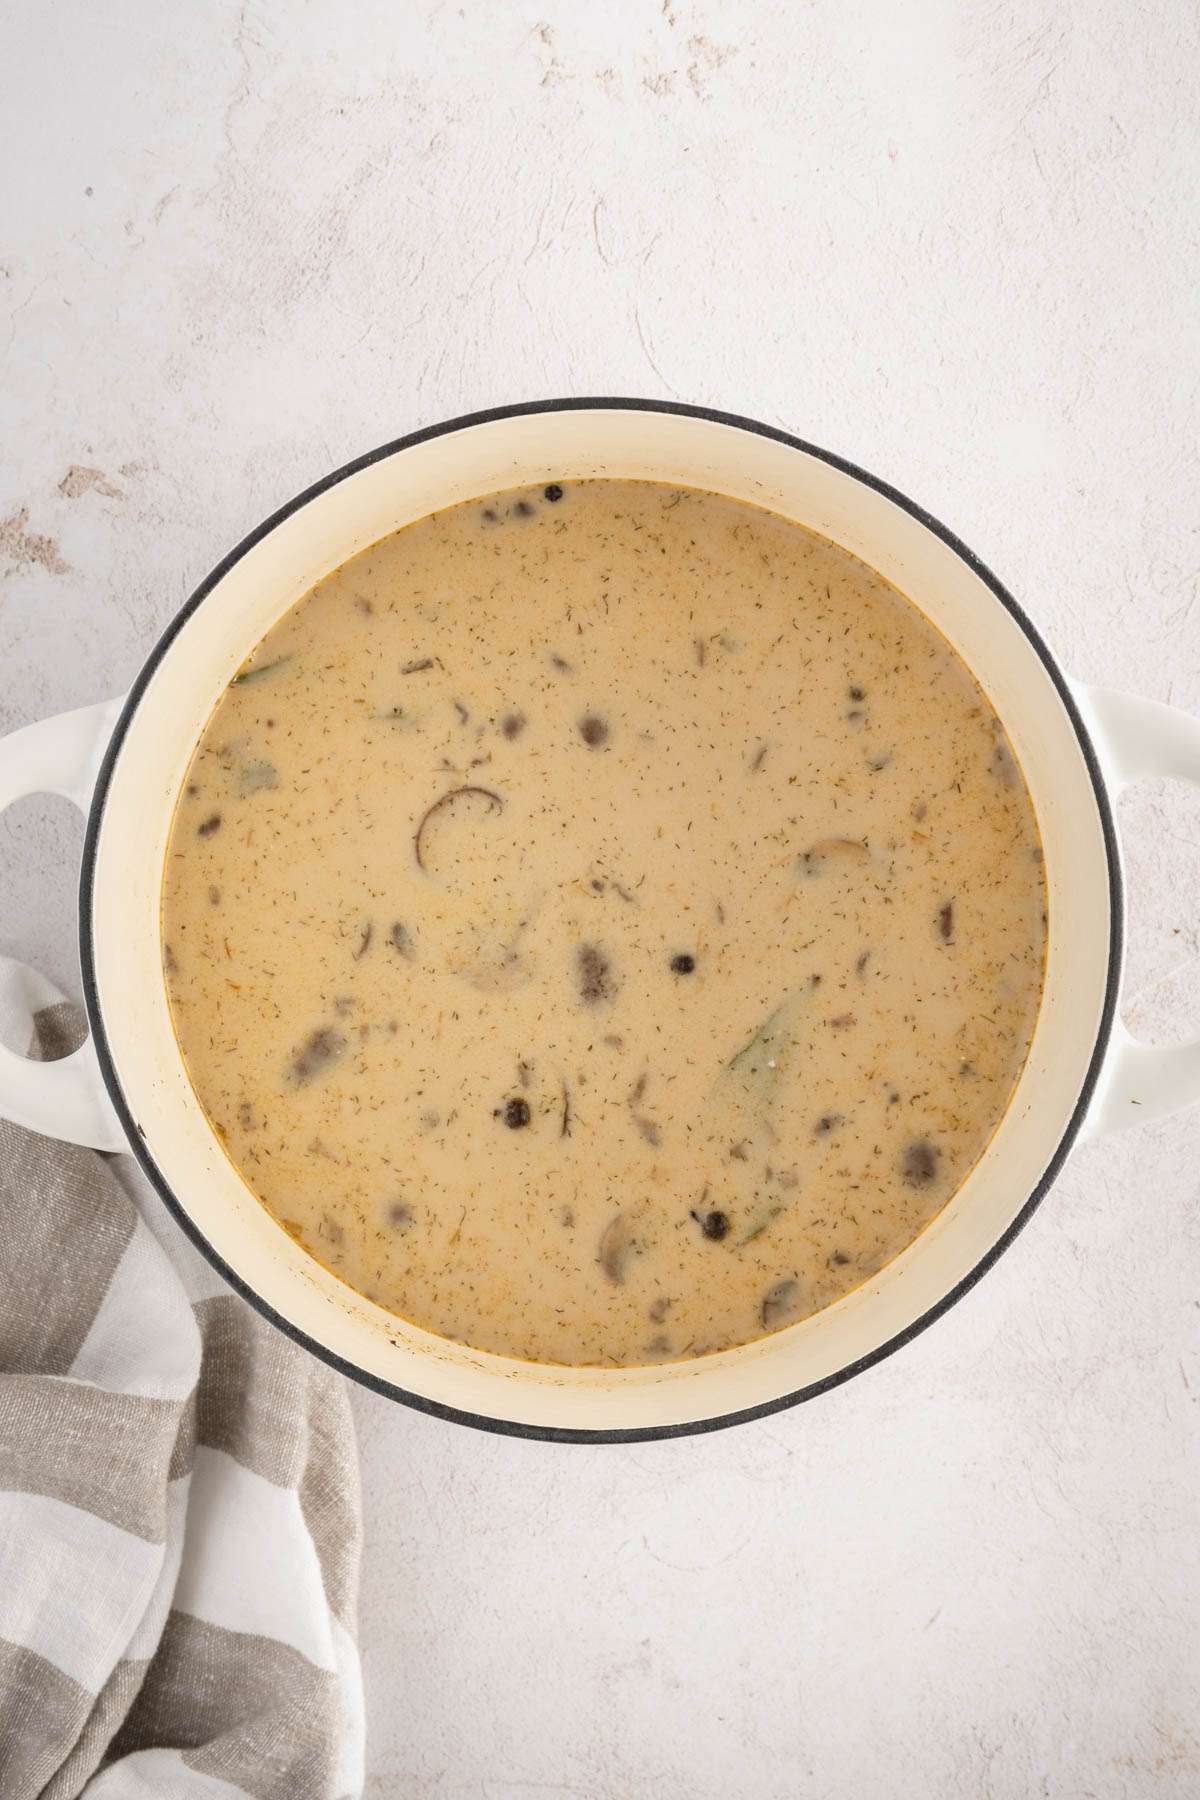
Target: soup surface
{"x": 604, "y": 923}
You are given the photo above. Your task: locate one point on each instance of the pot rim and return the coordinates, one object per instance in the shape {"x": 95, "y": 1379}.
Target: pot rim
{"x": 179, "y": 1211}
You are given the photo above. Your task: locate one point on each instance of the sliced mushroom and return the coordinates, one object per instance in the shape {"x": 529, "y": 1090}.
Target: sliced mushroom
{"x": 401, "y": 940}
{"x": 836, "y": 852}
{"x": 919, "y": 1163}
{"x": 780, "y": 1303}
{"x": 597, "y": 984}
{"x": 455, "y": 797}
{"x": 616, "y": 1247}
{"x": 318, "y": 1053}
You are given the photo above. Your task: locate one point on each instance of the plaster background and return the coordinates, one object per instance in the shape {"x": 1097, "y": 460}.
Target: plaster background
{"x": 238, "y": 245}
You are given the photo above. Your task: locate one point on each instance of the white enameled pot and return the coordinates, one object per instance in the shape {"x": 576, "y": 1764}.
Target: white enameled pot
{"x": 123, "y": 763}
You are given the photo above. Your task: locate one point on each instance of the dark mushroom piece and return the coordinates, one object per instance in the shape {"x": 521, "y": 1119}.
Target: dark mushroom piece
{"x": 842, "y": 852}
{"x": 919, "y": 1163}
{"x": 616, "y": 1247}
{"x": 593, "y": 731}
{"x": 597, "y": 984}
{"x": 401, "y": 940}
{"x": 780, "y": 1303}
{"x": 318, "y": 1053}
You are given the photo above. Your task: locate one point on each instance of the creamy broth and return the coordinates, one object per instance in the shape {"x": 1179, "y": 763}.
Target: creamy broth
{"x": 604, "y": 923}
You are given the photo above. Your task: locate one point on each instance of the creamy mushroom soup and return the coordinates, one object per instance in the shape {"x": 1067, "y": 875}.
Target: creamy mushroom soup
{"x": 604, "y": 923}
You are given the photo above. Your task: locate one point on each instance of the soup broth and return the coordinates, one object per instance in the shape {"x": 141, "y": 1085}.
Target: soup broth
{"x": 603, "y": 923}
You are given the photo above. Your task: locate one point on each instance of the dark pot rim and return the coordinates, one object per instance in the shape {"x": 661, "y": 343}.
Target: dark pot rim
{"x": 514, "y": 1428}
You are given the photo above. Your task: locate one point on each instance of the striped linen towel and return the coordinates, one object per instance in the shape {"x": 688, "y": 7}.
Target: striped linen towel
{"x": 179, "y": 1515}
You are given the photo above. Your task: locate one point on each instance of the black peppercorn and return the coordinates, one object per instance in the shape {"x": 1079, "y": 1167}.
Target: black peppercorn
{"x": 683, "y": 964}
{"x": 516, "y": 1113}
{"x": 553, "y": 492}
{"x": 714, "y": 1225}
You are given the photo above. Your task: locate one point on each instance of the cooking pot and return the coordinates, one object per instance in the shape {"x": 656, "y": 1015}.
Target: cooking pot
{"x": 123, "y": 762}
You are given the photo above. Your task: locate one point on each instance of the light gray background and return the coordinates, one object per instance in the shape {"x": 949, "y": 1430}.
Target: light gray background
{"x": 954, "y": 242}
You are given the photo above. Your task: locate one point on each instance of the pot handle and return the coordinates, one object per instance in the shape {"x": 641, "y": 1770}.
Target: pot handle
{"x": 1135, "y": 740}
{"x": 65, "y": 1099}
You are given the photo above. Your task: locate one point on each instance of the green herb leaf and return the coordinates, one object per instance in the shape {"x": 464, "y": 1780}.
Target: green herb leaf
{"x": 764, "y": 1041}
{"x": 749, "y": 1084}
{"x": 760, "y": 1225}
{"x": 257, "y": 776}
{"x": 258, "y": 673}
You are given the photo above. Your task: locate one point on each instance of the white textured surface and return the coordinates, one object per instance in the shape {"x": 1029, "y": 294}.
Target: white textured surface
{"x": 955, "y": 243}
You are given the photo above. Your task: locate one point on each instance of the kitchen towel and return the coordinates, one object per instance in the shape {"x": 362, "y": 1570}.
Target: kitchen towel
{"x": 179, "y": 1510}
